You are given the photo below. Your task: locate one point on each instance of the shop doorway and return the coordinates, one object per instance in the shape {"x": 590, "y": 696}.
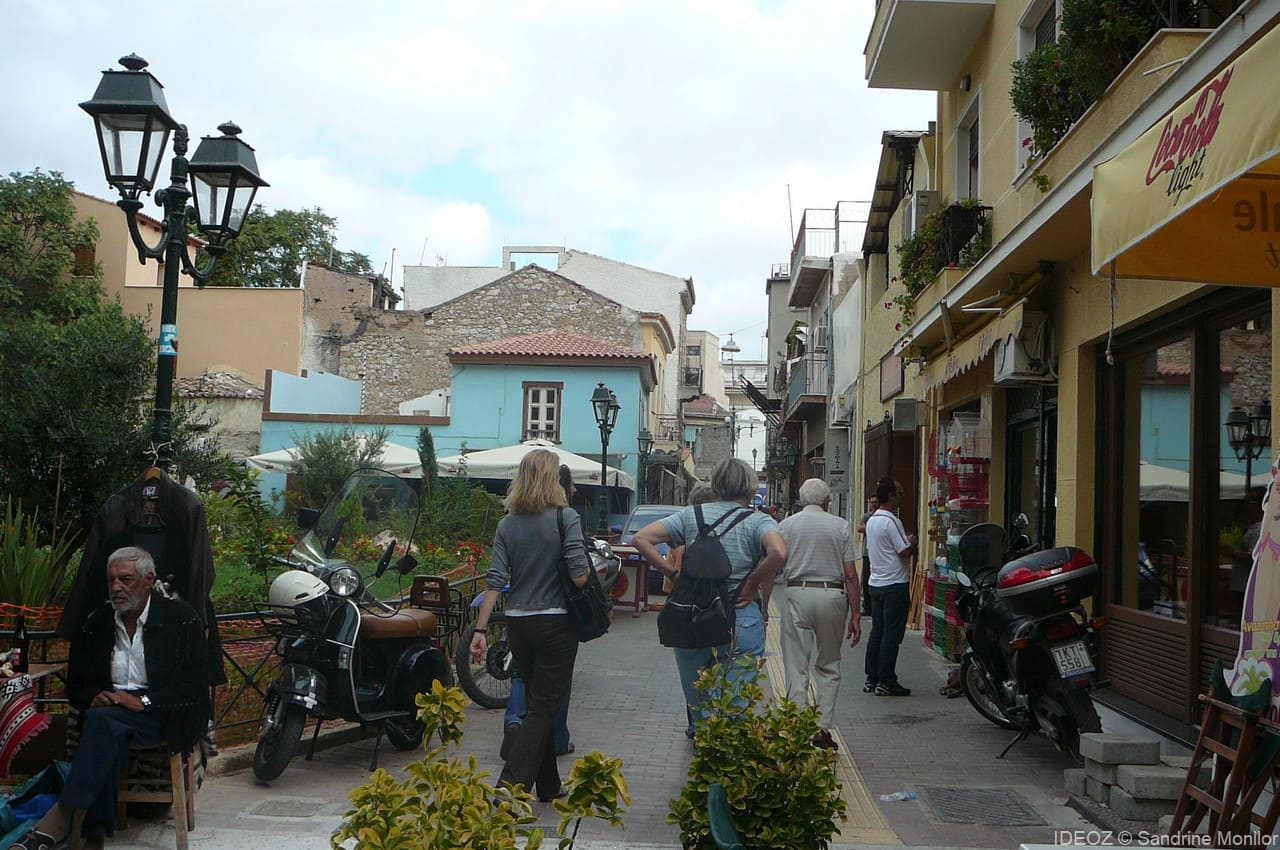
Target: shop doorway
{"x": 1031, "y": 472}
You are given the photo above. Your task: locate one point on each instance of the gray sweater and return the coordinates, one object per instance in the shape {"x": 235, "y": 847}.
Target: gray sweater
{"x": 526, "y": 550}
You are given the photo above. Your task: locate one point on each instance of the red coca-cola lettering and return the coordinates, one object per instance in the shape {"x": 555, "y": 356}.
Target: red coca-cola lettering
{"x": 1192, "y": 133}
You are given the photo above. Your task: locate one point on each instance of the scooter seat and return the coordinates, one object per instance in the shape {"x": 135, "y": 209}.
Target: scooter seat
{"x": 405, "y": 623}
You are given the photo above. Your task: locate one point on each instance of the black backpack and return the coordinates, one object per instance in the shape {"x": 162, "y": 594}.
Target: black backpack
{"x": 700, "y": 612}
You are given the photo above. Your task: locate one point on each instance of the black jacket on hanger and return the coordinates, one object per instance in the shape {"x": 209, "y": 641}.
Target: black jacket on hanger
{"x": 175, "y": 535}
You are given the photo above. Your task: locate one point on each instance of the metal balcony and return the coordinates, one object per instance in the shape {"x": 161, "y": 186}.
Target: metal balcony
{"x": 823, "y": 232}
{"x": 923, "y": 44}
{"x": 807, "y": 389}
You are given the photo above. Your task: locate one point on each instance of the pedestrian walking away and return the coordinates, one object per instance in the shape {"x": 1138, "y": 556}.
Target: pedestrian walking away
{"x": 756, "y": 552}
{"x": 822, "y": 596}
{"x": 872, "y": 504}
{"x": 527, "y": 549}
{"x": 890, "y": 548}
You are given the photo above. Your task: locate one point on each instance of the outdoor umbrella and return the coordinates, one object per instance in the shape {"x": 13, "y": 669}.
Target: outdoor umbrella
{"x": 503, "y": 462}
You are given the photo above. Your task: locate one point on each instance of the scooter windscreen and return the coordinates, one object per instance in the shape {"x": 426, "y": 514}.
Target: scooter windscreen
{"x": 981, "y": 547}
{"x": 368, "y": 523}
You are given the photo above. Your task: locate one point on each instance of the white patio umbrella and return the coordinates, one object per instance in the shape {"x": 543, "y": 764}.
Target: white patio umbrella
{"x": 395, "y": 458}
{"x": 1163, "y": 484}
{"x": 503, "y": 462}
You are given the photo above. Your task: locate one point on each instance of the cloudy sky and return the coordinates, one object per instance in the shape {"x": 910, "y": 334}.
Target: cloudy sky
{"x": 659, "y": 133}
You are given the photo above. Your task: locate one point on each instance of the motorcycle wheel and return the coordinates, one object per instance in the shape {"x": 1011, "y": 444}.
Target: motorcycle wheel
{"x": 488, "y": 683}
{"x": 974, "y": 685}
{"x": 404, "y": 733}
{"x": 277, "y": 743}
{"x": 1085, "y": 718}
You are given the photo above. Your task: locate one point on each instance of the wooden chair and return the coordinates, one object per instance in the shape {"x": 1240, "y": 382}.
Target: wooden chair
{"x": 723, "y": 832}
{"x": 177, "y": 789}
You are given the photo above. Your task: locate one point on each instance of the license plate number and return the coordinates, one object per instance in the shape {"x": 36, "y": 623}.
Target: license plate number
{"x": 1072, "y": 658}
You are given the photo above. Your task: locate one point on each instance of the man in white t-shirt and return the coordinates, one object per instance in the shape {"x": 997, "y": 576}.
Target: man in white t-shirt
{"x": 890, "y": 548}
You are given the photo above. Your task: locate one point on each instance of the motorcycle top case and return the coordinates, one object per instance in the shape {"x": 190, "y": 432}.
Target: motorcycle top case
{"x": 1045, "y": 582}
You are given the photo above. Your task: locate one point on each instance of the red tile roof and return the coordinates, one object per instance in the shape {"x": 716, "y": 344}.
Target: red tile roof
{"x": 549, "y": 344}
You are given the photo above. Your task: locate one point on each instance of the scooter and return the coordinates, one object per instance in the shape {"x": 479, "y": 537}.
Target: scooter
{"x": 1032, "y": 649}
{"x": 346, "y": 654}
{"x": 488, "y": 682}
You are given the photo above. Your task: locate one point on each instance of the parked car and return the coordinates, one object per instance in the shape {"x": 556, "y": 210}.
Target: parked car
{"x": 641, "y": 516}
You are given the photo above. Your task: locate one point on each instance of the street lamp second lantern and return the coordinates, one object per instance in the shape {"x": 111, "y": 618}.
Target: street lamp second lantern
{"x": 644, "y": 441}
{"x": 133, "y": 126}
{"x": 1248, "y": 434}
{"x": 604, "y": 404}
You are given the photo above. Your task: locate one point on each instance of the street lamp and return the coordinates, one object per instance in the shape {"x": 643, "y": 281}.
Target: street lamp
{"x": 645, "y": 443}
{"x": 1248, "y": 435}
{"x": 133, "y": 126}
{"x": 604, "y": 404}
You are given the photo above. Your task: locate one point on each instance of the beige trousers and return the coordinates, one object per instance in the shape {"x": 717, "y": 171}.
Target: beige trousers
{"x": 812, "y": 631}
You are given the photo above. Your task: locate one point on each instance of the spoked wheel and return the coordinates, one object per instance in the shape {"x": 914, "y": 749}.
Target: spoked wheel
{"x": 404, "y": 733}
{"x": 488, "y": 682}
{"x": 975, "y": 688}
{"x": 278, "y": 740}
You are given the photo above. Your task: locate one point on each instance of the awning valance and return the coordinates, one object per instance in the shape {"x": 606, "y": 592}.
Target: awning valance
{"x": 966, "y": 354}
{"x": 1197, "y": 197}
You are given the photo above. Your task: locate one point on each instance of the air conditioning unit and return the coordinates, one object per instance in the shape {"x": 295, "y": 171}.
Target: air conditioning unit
{"x": 1026, "y": 357}
{"x": 906, "y": 414}
{"x": 919, "y": 205}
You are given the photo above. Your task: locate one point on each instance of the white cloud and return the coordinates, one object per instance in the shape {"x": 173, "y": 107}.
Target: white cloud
{"x": 669, "y": 128}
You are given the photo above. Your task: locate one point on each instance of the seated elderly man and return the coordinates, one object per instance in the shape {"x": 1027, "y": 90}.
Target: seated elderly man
{"x": 138, "y": 672}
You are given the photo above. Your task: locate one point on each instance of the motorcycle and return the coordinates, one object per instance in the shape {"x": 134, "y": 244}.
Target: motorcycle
{"x": 488, "y": 682}
{"x": 346, "y": 654}
{"x": 1032, "y": 649}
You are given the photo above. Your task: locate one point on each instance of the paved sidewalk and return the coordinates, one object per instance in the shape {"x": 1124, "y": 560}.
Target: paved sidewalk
{"x": 627, "y": 702}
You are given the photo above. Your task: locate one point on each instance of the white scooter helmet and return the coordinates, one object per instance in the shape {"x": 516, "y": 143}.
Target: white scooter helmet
{"x": 294, "y": 588}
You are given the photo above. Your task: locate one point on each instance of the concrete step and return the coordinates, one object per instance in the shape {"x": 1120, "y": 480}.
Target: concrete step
{"x": 1099, "y": 792}
{"x": 1151, "y": 781}
{"x": 1109, "y": 748}
{"x": 1127, "y": 806}
{"x": 1100, "y": 771}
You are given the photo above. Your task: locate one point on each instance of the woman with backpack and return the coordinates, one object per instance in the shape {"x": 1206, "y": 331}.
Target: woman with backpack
{"x": 538, "y": 530}
{"x": 755, "y": 552}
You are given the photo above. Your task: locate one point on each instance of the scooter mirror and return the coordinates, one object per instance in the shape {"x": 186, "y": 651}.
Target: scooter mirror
{"x": 1020, "y": 520}
{"x": 385, "y": 560}
{"x": 407, "y": 564}
{"x": 964, "y": 580}
{"x": 307, "y": 518}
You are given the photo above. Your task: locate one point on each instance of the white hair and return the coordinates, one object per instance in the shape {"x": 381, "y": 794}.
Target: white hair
{"x": 140, "y": 558}
{"x": 813, "y": 492}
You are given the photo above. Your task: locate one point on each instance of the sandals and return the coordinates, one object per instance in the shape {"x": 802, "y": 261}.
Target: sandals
{"x": 35, "y": 840}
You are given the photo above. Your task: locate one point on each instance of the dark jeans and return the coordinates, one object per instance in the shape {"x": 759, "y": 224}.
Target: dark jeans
{"x": 889, "y": 606}
{"x": 518, "y": 707}
{"x": 101, "y": 757}
{"x": 544, "y": 646}
{"x": 866, "y": 585}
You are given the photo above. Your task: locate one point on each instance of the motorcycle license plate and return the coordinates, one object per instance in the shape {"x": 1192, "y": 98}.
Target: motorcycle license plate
{"x": 1072, "y": 659}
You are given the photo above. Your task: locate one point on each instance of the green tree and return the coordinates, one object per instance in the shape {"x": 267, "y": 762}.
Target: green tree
{"x": 39, "y": 236}
{"x": 272, "y": 247}
{"x": 326, "y": 458}
{"x": 430, "y": 470}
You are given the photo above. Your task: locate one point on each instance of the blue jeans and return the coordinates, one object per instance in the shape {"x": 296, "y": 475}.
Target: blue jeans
{"x": 517, "y": 708}
{"x": 889, "y": 605}
{"x": 748, "y": 640}
{"x": 102, "y": 755}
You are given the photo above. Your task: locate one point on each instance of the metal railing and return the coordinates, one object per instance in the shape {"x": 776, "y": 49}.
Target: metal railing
{"x": 808, "y": 377}
{"x": 669, "y": 429}
{"x": 824, "y": 232}
{"x": 249, "y": 659}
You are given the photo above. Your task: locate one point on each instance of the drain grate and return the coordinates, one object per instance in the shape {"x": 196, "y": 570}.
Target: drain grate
{"x": 284, "y": 808}
{"x": 993, "y": 806}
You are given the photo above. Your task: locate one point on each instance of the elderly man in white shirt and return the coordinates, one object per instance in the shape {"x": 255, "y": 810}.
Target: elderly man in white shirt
{"x": 822, "y": 589}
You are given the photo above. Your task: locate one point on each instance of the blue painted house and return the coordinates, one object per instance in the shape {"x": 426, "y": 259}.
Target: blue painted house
{"x": 502, "y": 393}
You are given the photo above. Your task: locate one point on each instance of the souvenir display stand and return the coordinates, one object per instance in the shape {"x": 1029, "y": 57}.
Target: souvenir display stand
{"x": 959, "y": 493}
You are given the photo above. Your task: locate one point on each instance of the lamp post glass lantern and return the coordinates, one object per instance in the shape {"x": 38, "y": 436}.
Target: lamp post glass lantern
{"x": 644, "y": 441}
{"x": 133, "y": 126}
{"x": 604, "y": 404}
{"x": 1248, "y": 434}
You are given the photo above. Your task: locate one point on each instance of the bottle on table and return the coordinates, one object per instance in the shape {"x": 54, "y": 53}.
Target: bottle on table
{"x": 20, "y": 654}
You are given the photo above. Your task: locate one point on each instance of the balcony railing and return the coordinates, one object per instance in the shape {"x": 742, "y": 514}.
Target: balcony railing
{"x": 966, "y": 235}
{"x": 691, "y": 378}
{"x": 669, "y": 430}
{"x": 808, "y": 377}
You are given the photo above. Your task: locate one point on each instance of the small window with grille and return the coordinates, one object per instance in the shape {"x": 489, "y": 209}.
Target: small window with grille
{"x": 542, "y": 411}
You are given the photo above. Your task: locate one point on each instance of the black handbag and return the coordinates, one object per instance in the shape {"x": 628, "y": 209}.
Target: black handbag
{"x": 587, "y": 606}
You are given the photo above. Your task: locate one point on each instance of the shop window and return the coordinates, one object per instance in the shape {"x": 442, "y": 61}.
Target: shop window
{"x": 1176, "y": 513}
{"x": 542, "y": 411}
{"x": 1243, "y": 391}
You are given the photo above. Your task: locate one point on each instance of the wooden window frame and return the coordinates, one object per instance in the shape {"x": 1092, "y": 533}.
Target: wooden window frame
{"x": 526, "y": 433}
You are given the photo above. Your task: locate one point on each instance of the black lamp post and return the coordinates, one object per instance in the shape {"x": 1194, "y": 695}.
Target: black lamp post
{"x": 645, "y": 443}
{"x": 604, "y": 404}
{"x": 1248, "y": 434}
{"x": 133, "y": 125}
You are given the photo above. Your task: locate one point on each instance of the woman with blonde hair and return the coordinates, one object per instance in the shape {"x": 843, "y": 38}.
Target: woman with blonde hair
{"x": 527, "y": 549}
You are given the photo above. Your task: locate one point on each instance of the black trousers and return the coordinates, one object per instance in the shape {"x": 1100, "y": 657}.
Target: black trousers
{"x": 545, "y": 647}
{"x": 889, "y": 607}
{"x": 101, "y": 757}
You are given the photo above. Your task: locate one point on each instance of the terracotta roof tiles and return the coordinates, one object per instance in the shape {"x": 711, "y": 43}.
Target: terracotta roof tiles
{"x": 549, "y": 344}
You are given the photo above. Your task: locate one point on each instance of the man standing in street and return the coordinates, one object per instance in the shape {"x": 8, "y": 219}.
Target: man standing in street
{"x": 866, "y": 561}
{"x": 890, "y": 548}
{"x": 822, "y": 592}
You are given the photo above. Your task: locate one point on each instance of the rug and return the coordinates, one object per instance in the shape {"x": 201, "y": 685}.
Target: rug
{"x": 19, "y": 720}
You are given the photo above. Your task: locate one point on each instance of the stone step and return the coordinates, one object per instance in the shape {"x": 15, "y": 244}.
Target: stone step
{"x": 1099, "y": 792}
{"x": 1127, "y": 806}
{"x": 1151, "y": 781}
{"x": 1074, "y": 778}
{"x": 1110, "y": 748}
{"x": 1100, "y": 771}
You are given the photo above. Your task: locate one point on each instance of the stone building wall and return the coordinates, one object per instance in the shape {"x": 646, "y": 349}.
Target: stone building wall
{"x": 400, "y": 355}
